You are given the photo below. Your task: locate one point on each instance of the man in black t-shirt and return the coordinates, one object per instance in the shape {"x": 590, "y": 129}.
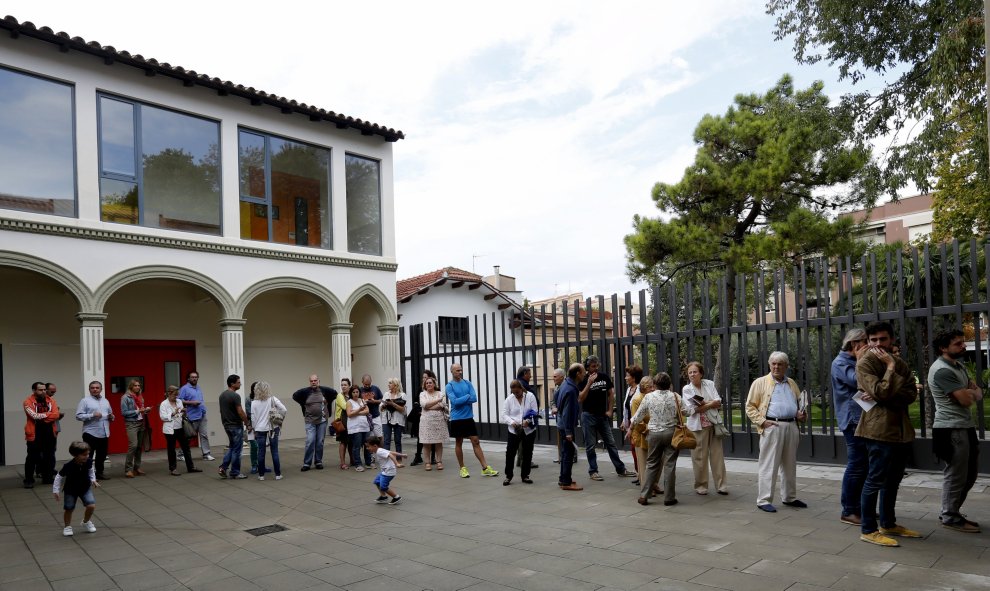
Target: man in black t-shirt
{"x": 597, "y": 398}
{"x": 234, "y": 421}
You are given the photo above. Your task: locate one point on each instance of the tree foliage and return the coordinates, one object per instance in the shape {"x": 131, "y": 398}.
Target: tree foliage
{"x": 765, "y": 179}
{"x": 961, "y": 204}
{"x": 929, "y": 57}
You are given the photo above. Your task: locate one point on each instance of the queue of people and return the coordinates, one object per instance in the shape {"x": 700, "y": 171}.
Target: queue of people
{"x": 871, "y": 385}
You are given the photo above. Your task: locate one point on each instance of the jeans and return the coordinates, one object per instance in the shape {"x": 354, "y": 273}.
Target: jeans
{"x": 357, "y": 444}
{"x": 857, "y": 465}
{"x": 315, "y": 435}
{"x": 567, "y": 453}
{"x": 886, "y": 470}
{"x": 235, "y": 447}
{"x": 99, "y": 453}
{"x": 263, "y": 440}
{"x": 593, "y": 426}
{"x": 513, "y": 445}
{"x": 393, "y": 431}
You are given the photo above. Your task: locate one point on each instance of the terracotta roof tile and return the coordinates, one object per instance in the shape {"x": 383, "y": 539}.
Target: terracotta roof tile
{"x": 405, "y": 288}
{"x": 153, "y": 67}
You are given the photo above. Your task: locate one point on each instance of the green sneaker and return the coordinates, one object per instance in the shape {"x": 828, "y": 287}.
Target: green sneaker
{"x": 464, "y": 472}
{"x": 489, "y": 471}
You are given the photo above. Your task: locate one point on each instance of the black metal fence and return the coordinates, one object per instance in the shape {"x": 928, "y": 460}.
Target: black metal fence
{"x": 731, "y": 329}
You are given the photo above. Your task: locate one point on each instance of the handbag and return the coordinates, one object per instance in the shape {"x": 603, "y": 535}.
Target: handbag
{"x": 683, "y": 437}
{"x": 188, "y": 428}
{"x": 720, "y": 430}
{"x": 275, "y": 416}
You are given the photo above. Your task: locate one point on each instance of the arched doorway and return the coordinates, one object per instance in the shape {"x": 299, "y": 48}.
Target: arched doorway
{"x": 39, "y": 341}
{"x": 287, "y": 338}
{"x": 156, "y": 331}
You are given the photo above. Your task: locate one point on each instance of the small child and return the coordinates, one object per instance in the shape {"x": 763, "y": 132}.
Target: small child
{"x": 78, "y": 482}
{"x": 386, "y": 461}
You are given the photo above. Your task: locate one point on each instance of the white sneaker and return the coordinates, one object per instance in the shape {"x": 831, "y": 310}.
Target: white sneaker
{"x": 261, "y": 478}
{"x": 89, "y": 526}
{"x": 278, "y": 477}
{"x": 209, "y": 458}
{"x": 67, "y": 531}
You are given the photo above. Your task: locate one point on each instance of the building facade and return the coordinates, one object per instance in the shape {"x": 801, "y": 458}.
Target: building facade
{"x": 154, "y": 220}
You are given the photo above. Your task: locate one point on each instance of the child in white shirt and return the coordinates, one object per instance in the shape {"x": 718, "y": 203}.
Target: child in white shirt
{"x": 386, "y": 461}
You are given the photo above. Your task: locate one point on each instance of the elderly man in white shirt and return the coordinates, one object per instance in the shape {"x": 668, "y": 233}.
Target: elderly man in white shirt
{"x": 519, "y": 412}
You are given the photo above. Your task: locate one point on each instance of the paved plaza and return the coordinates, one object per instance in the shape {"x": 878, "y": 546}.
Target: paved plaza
{"x": 163, "y": 532}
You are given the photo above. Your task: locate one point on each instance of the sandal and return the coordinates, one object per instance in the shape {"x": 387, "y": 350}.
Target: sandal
{"x": 429, "y": 467}
{"x": 439, "y": 465}
{"x": 344, "y": 466}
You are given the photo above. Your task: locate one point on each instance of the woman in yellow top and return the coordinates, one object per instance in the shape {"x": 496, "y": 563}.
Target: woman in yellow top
{"x": 340, "y": 412}
{"x": 637, "y": 436}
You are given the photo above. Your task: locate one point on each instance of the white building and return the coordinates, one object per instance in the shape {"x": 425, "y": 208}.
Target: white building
{"x": 154, "y": 220}
{"x": 466, "y": 319}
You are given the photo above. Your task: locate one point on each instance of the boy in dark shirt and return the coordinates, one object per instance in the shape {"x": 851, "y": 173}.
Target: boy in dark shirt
{"x": 78, "y": 480}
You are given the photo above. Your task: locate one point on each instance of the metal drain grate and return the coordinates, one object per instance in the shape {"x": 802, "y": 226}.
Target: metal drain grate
{"x": 268, "y": 529}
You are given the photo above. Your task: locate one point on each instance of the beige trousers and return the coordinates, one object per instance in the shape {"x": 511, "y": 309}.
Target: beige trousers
{"x": 640, "y": 462}
{"x": 708, "y": 452}
{"x": 778, "y": 455}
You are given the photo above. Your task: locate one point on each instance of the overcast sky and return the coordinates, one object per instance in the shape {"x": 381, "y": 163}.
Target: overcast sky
{"x": 535, "y": 130}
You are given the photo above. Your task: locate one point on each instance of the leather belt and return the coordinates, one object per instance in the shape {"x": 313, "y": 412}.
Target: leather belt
{"x": 790, "y": 420}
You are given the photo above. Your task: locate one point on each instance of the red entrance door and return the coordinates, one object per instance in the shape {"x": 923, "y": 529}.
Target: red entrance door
{"x": 156, "y": 364}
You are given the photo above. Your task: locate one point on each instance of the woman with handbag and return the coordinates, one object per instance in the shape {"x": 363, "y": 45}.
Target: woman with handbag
{"x": 358, "y": 425}
{"x": 433, "y": 421}
{"x": 174, "y": 425}
{"x": 394, "y": 408}
{"x": 663, "y": 409}
{"x": 267, "y": 414}
{"x": 701, "y": 405}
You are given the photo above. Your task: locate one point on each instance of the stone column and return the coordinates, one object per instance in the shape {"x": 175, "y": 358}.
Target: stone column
{"x": 340, "y": 349}
{"x": 91, "y": 348}
{"x": 232, "y": 338}
{"x": 388, "y": 344}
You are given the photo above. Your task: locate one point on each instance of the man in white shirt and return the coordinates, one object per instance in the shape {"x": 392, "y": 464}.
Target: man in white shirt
{"x": 519, "y": 412}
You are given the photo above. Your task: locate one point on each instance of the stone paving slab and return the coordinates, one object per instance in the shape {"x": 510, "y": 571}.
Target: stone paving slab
{"x": 161, "y": 532}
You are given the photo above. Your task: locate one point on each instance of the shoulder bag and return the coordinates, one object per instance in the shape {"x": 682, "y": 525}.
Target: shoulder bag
{"x": 683, "y": 437}
{"x": 187, "y": 427}
{"x": 275, "y": 416}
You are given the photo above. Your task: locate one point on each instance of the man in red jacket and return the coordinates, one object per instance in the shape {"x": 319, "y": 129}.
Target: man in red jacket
{"x": 39, "y": 433}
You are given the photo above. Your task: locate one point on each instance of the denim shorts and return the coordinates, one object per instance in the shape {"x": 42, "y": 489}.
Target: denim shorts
{"x": 383, "y": 481}
{"x": 69, "y": 501}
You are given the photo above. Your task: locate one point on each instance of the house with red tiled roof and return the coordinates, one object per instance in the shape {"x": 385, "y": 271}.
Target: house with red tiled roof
{"x": 449, "y": 315}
